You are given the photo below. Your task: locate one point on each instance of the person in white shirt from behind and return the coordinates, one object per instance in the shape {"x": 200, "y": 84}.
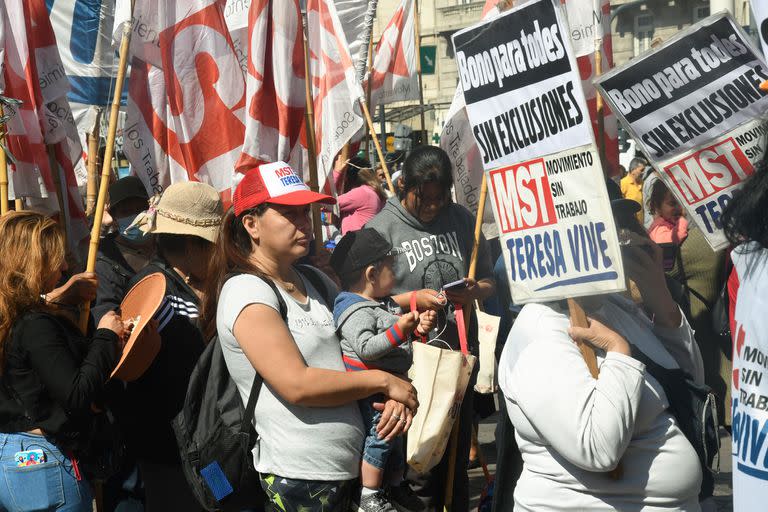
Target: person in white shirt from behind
{"x": 573, "y": 430}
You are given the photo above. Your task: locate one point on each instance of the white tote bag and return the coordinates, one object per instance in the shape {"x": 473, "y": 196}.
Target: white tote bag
{"x": 441, "y": 378}
{"x": 487, "y": 332}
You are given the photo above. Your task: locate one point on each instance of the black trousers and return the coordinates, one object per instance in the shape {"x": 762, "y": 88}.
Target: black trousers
{"x": 509, "y": 462}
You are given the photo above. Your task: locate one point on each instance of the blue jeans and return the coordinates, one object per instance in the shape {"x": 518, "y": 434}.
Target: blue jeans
{"x": 378, "y": 452}
{"x": 43, "y": 487}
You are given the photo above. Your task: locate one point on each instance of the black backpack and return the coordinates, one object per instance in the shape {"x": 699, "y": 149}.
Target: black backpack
{"x": 694, "y": 407}
{"x": 215, "y": 432}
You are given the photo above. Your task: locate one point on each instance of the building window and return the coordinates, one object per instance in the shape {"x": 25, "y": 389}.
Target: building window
{"x": 699, "y": 13}
{"x": 643, "y": 33}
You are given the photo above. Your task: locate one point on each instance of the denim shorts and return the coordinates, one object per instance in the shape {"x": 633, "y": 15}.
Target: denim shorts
{"x": 48, "y": 486}
{"x": 377, "y": 452}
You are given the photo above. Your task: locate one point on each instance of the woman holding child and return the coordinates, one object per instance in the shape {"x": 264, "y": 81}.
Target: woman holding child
{"x": 310, "y": 429}
{"x": 436, "y": 237}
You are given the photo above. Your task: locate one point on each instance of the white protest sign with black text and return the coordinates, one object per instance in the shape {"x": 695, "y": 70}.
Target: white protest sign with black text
{"x": 529, "y": 117}
{"x": 760, "y": 10}
{"x": 694, "y": 106}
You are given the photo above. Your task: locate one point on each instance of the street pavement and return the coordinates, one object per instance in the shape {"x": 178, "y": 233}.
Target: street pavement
{"x": 723, "y": 490}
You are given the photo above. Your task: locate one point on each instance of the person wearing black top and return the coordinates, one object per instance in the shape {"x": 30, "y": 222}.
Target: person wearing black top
{"x": 185, "y": 223}
{"x": 125, "y": 251}
{"x": 50, "y": 373}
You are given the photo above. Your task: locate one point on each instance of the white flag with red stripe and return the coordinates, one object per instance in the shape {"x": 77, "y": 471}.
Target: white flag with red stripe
{"x": 184, "y": 119}
{"x": 594, "y": 29}
{"x": 33, "y": 73}
{"x": 335, "y": 88}
{"x": 276, "y": 94}
{"x": 393, "y": 77}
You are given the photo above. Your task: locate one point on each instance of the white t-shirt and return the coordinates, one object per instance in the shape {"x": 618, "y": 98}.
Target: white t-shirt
{"x": 307, "y": 443}
{"x": 571, "y": 428}
{"x": 750, "y": 380}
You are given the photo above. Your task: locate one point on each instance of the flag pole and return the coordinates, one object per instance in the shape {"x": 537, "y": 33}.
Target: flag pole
{"x": 106, "y": 165}
{"x": 376, "y": 143}
{"x": 3, "y": 171}
{"x": 369, "y": 92}
{"x": 61, "y": 190}
{"x": 309, "y": 113}
{"x": 93, "y": 162}
{"x": 599, "y": 108}
{"x": 364, "y": 60}
{"x": 454, "y": 443}
{"x": 416, "y": 22}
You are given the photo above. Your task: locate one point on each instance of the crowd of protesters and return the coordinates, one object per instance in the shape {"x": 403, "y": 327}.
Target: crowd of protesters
{"x": 331, "y": 335}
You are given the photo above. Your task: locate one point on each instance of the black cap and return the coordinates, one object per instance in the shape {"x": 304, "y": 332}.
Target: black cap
{"x": 127, "y": 188}
{"x": 358, "y": 249}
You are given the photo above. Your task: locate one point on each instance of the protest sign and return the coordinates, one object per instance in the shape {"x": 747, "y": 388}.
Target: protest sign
{"x": 694, "y": 106}
{"x": 760, "y": 11}
{"x": 529, "y": 118}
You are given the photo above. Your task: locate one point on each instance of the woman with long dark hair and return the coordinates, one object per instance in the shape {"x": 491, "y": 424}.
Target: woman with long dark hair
{"x": 309, "y": 425}
{"x": 746, "y": 225}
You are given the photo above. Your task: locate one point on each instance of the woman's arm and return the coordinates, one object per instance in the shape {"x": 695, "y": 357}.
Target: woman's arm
{"x": 269, "y": 346}
{"x": 643, "y": 264}
{"x": 588, "y": 421}
{"x": 475, "y": 290}
{"x": 425, "y": 299}
{"x": 71, "y": 383}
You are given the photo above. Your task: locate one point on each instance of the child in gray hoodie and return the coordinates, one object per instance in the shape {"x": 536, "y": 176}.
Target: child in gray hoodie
{"x": 375, "y": 334}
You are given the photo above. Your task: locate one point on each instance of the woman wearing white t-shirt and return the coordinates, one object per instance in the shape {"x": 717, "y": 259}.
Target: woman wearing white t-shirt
{"x": 744, "y": 221}
{"x": 310, "y": 431}
{"x": 573, "y": 430}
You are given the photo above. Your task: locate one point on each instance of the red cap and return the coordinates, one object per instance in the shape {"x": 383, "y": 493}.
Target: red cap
{"x": 275, "y": 183}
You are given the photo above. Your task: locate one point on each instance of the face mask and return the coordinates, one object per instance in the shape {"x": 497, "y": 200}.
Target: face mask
{"x": 134, "y": 234}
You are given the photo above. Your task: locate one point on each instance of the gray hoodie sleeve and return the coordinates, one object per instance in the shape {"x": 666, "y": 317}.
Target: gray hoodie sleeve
{"x": 362, "y": 332}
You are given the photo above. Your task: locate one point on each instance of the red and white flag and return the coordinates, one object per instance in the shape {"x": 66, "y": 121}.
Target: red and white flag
{"x": 276, "y": 94}
{"x": 592, "y": 25}
{"x": 393, "y": 77}
{"x": 275, "y": 108}
{"x": 33, "y": 73}
{"x": 184, "y": 119}
{"x": 335, "y": 88}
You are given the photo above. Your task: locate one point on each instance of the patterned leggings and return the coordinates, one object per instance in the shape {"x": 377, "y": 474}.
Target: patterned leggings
{"x": 289, "y": 495}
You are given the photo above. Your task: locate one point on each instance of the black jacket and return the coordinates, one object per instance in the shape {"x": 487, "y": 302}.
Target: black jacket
{"x": 52, "y": 374}
{"x": 114, "y": 274}
{"x": 152, "y": 401}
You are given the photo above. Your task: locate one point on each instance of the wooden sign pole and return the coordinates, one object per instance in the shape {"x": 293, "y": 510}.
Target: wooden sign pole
{"x": 93, "y": 162}
{"x": 309, "y": 112}
{"x": 417, "y": 35}
{"x": 454, "y": 443}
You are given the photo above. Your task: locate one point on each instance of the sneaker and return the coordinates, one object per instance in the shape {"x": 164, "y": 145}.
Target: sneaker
{"x": 376, "y": 502}
{"x": 404, "y": 499}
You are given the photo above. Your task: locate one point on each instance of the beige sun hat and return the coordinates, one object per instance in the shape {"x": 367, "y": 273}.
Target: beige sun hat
{"x": 185, "y": 208}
